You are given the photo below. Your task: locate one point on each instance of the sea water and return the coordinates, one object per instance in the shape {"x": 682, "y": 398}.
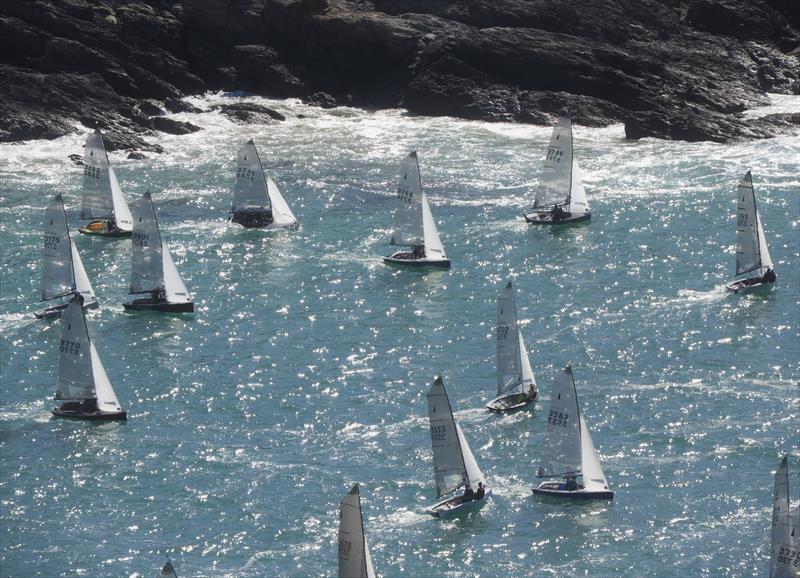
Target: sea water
{"x": 305, "y": 366}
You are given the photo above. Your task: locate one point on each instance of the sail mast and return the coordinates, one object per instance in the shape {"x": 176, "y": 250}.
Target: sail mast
{"x": 571, "y": 160}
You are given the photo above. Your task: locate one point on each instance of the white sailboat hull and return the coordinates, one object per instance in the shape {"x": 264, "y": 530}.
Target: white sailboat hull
{"x": 557, "y": 490}
{"x": 546, "y": 218}
{"x": 56, "y": 310}
{"x": 740, "y": 288}
{"x": 509, "y": 402}
{"x": 407, "y": 259}
{"x": 452, "y": 506}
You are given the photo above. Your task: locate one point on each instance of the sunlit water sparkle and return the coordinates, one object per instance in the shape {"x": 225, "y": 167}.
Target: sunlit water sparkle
{"x": 306, "y": 364}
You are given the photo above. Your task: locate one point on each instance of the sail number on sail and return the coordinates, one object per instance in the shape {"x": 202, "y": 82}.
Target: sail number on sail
{"x": 438, "y": 433}
{"x": 558, "y": 418}
{"x": 345, "y": 546}
{"x": 141, "y": 239}
{"x": 555, "y": 155}
{"x": 405, "y": 195}
{"x": 51, "y": 241}
{"x": 502, "y": 332}
{"x": 93, "y": 172}
{"x": 245, "y": 173}
{"x": 71, "y": 347}
{"x": 789, "y": 557}
{"x": 743, "y": 218}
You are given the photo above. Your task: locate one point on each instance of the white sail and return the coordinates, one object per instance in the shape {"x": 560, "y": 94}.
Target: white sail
{"x": 122, "y": 214}
{"x": 102, "y": 196}
{"x": 57, "y": 264}
{"x": 281, "y": 213}
{"x": 528, "y": 379}
{"x": 168, "y": 571}
{"x": 408, "y": 217}
{"x": 562, "y": 444}
{"x": 554, "y": 184}
{"x": 174, "y": 287}
{"x": 75, "y": 367}
{"x": 433, "y": 246}
{"x": 82, "y": 283}
{"x": 106, "y": 398}
{"x": 509, "y": 362}
{"x": 593, "y": 477}
{"x": 354, "y": 558}
{"x": 448, "y": 459}
{"x": 783, "y": 540}
{"x": 474, "y": 474}
{"x": 752, "y": 255}
{"x": 147, "y": 263}
{"x": 250, "y": 191}
{"x": 577, "y": 194}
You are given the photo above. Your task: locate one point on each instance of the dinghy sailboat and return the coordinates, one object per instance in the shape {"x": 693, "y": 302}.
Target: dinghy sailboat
{"x": 103, "y": 201}
{"x": 413, "y": 222}
{"x": 257, "y": 202}
{"x": 568, "y": 452}
{"x": 354, "y": 558}
{"x": 168, "y": 571}
{"x": 753, "y": 263}
{"x": 454, "y": 465}
{"x": 153, "y": 270}
{"x": 83, "y": 384}
{"x": 785, "y": 549}
{"x": 560, "y": 198}
{"x": 62, "y": 269}
{"x": 516, "y": 384}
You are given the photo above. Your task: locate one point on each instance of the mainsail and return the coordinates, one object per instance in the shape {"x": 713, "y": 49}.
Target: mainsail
{"x": 147, "y": 270}
{"x": 58, "y": 278}
{"x": 168, "y": 571}
{"x": 75, "y": 362}
{"x": 509, "y": 361}
{"x": 408, "y": 213}
{"x": 250, "y": 191}
{"x": 785, "y": 533}
{"x": 562, "y": 449}
{"x": 354, "y": 558}
{"x": 555, "y": 182}
{"x": 752, "y": 255}
{"x": 102, "y": 196}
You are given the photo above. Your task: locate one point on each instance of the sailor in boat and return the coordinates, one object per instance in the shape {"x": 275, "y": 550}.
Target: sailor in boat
{"x": 559, "y": 214}
{"x": 469, "y": 494}
{"x": 481, "y": 491}
{"x": 253, "y": 219}
{"x": 571, "y": 481}
{"x": 85, "y": 406}
{"x": 768, "y": 277}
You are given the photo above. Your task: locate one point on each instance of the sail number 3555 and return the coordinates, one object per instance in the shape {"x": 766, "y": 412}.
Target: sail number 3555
{"x": 438, "y": 433}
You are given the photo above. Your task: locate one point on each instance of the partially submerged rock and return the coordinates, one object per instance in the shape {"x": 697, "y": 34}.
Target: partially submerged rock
{"x": 246, "y": 112}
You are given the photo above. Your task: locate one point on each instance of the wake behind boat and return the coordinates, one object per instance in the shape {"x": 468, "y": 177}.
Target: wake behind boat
{"x": 568, "y": 453}
{"x": 257, "y": 201}
{"x": 63, "y": 273}
{"x": 83, "y": 384}
{"x": 354, "y": 558}
{"x": 560, "y": 198}
{"x": 152, "y": 269}
{"x": 454, "y": 465}
{"x": 753, "y": 262}
{"x": 103, "y": 201}
{"x": 785, "y": 547}
{"x": 413, "y": 223}
{"x": 516, "y": 384}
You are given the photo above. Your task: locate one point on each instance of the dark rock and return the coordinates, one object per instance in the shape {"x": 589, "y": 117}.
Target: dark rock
{"x": 136, "y": 156}
{"x": 150, "y": 107}
{"x": 116, "y": 139}
{"x": 172, "y": 126}
{"x": 76, "y": 158}
{"x": 320, "y": 99}
{"x": 246, "y": 112}
{"x": 176, "y": 105}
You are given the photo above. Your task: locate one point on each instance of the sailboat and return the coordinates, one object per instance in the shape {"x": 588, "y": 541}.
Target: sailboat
{"x": 785, "y": 548}
{"x": 62, "y": 269}
{"x": 568, "y": 452}
{"x": 257, "y": 202}
{"x": 153, "y": 270}
{"x": 753, "y": 263}
{"x": 454, "y": 466}
{"x": 83, "y": 385}
{"x": 168, "y": 571}
{"x": 413, "y": 222}
{"x": 560, "y": 198}
{"x": 516, "y": 384}
{"x": 103, "y": 201}
{"x": 354, "y": 558}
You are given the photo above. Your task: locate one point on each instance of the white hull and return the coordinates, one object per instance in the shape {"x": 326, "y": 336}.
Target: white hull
{"x": 557, "y": 490}
{"x": 740, "y": 289}
{"x": 56, "y": 310}
{"x": 405, "y": 258}
{"x": 546, "y": 218}
{"x": 512, "y": 402}
{"x": 454, "y": 505}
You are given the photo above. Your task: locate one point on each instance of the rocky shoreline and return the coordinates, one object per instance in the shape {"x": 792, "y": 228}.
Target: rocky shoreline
{"x": 670, "y": 69}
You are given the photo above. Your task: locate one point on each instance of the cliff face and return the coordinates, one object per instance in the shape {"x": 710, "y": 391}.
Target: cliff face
{"x": 667, "y": 68}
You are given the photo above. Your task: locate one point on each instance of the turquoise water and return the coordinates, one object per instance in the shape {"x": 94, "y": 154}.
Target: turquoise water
{"x": 305, "y": 366}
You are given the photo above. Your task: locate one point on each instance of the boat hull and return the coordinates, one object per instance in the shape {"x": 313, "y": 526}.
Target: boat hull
{"x": 399, "y": 259}
{"x": 739, "y": 288}
{"x": 556, "y": 490}
{"x": 90, "y": 416}
{"x": 56, "y": 310}
{"x": 546, "y": 218}
{"x": 163, "y": 306}
{"x": 512, "y": 403}
{"x": 453, "y": 506}
{"x": 101, "y": 229}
